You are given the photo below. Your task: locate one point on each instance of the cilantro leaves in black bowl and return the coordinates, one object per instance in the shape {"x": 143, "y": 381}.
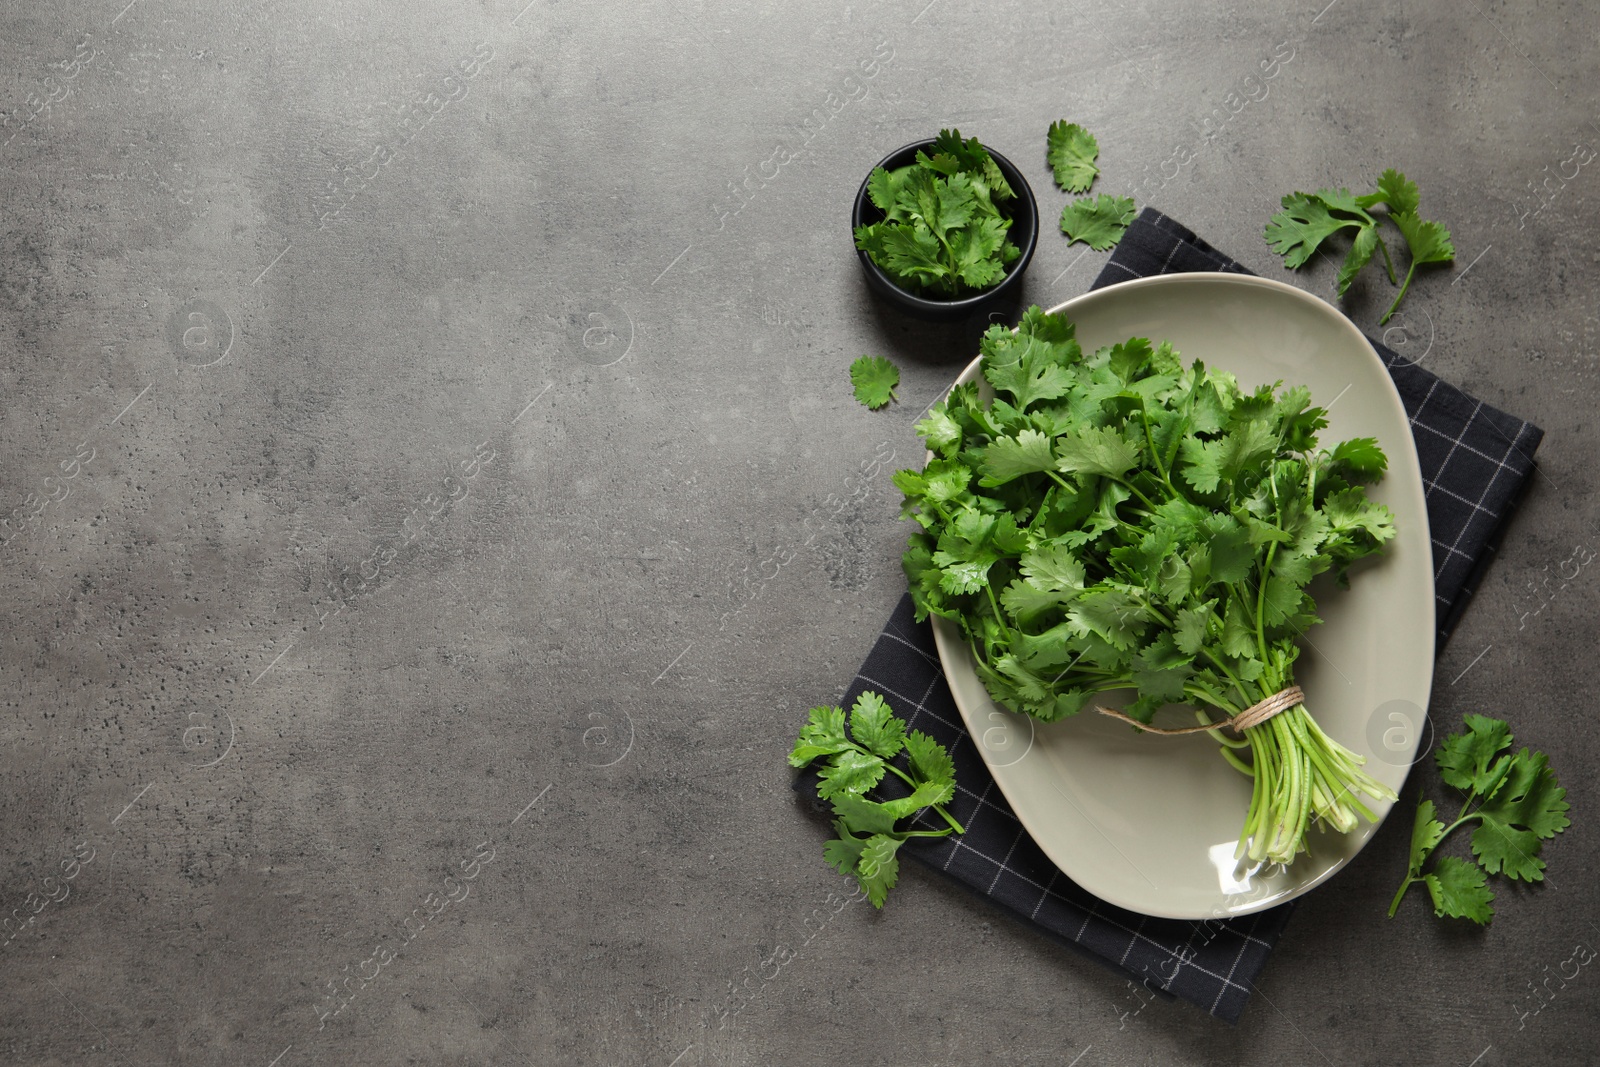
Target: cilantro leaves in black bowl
{"x": 943, "y": 226}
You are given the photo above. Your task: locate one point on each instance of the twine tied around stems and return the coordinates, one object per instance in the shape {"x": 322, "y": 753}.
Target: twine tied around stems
{"x": 1254, "y": 715}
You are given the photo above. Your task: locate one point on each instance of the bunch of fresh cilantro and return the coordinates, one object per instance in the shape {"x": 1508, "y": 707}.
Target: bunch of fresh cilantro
{"x": 1308, "y": 219}
{"x": 853, "y": 765}
{"x": 1521, "y": 805}
{"x": 945, "y": 228}
{"x": 1119, "y": 520}
{"x": 1098, "y": 222}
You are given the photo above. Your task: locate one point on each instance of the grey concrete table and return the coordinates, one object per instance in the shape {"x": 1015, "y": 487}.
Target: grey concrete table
{"x": 436, "y": 496}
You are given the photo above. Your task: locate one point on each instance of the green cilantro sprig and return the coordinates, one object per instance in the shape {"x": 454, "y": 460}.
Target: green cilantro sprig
{"x": 1309, "y": 219}
{"x": 1071, "y": 151}
{"x": 1521, "y": 805}
{"x": 874, "y": 379}
{"x": 946, "y": 224}
{"x": 1098, "y": 222}
{"x": 868, "y": 839}
{"x": 1118, "y": 520}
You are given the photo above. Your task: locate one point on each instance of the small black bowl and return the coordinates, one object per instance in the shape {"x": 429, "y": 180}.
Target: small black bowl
{"x": 1024, "y": 233}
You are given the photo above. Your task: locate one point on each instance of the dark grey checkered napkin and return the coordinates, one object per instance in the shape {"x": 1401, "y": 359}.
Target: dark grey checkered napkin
{"x": 1475, "y": 462}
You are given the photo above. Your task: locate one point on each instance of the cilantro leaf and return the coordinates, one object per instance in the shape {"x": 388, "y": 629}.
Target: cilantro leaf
{"x": 925, "y": 795}
{"x": 822, "y": 736}
{"x": 1207, "y": 463}
{"x": 1396, "y": 191}
{"x": 884, "y": 190}
{"x": 1359, "y": 459}
{"x": 1071, "y": 151}
{"x": 874, "y": 378}
{"x": 851, "y": 771}
{"x": 875, "y": 727}
{"x": 1464, "y": 759}
{"x": 1053, "y": 567}
{"x": 1098, "y": 222}
{"x": 1359, "y": 256}
{"x": 1161, "y": 669}
{"x": 1193, "y": 626}
{"x": 844, "y": 852}
{"x": 978, "y": 251}
{"x": 1305, "y": 222}
{"x": 879, "y": 869}
{"x": 1238, "y": 636}
{"x": 1232, "y": 554}
{"x": 913, "y": 252}
{"x": 1343, "y": 200}
{"x": 941, "y": 432}
{"x": 1028, "y": 368}
{"x": 929, "y": 760}
{"x": 1429, "y": 242}
{"x": 1359, "y": 521}
{"x": 1011, "y": 457}
{"x": 1426, "y": 833}
{"x": 1110, "y": 614}
{"x": 1457, "y": 889}
{"x": 863, "y": 816}
{"x": 1096, "y": 450}
{"x": 1527, "y": 808}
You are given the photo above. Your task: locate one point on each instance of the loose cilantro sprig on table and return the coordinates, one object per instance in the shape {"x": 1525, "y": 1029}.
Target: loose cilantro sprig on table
{"x": 1098, "y": 222}
{"x": 1308, "y": 219}
{"x": 1071, "y": 151}
{"x": 1521, "y": 805}
{"x": 868, "y": 839}
{"x": 1117, "y": 520}
{"x": 874, "y": 379}
{"x": 945, "y": 227}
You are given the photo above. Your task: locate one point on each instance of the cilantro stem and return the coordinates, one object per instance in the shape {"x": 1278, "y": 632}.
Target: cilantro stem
{"x": 1284, "y": 836}
{"x": 1059, "y": 481}
{"x": 1402, "y": 294}
{"x": 1157, "y": 614}
{"x": 1261, "y": 600}
{"x": 1411, "y": 880}
{"x": 1238, "y": 686}
{"x": 912, "y": 782}
{"x": 1155, "y": 457}
{"x": 1215, "y": 699}
{"x": 1389, "y": 266}
{"x": 1135, "y": 491}
{"x": 904, "y": 777}
{"x": 988, "y": 588}
{"x": 1238, "y": 764}
{"x": 1415, "y": 875}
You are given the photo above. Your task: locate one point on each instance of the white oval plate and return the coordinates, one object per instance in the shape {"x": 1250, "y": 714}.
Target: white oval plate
{"x": 1150, "y": 823}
